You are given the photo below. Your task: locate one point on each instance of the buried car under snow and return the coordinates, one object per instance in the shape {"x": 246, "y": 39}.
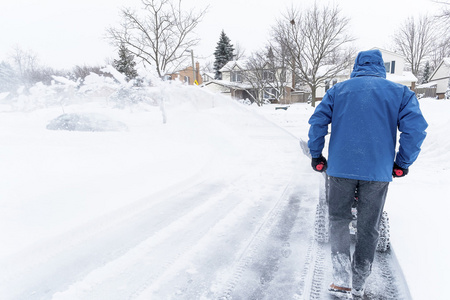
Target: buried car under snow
{"x": 85, "y": 122}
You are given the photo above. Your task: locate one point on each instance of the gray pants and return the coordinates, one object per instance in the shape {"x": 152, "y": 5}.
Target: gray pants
{"x": 371, "y": 198}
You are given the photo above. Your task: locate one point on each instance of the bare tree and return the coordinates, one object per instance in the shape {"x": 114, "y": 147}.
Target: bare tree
{"x": 265, "y": 76}
{"x": 207, "y": 66}
{"x": 312, "y": 37}
{"x": 414, "y": 40}
{"x": 441, "y": 45}
{"x": 25, "y": 63}
{"x": 159, "y": 33}
{"x": 445, "y": 13}
{"x": 440, "y": 50}
{"x": 239, "y": 51}
{"x": 25, "y": 70}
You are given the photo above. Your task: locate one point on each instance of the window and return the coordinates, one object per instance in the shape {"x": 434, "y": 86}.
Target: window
{"x": 268, "y": 75}
{"x": 236, "y": 76}
{"x": 270, "y": 93}
{"x": 387, "y": 65}
{"x": 327, "y": 84}
{"x": 186, "y": 79}
{"x": 390, "y": 67}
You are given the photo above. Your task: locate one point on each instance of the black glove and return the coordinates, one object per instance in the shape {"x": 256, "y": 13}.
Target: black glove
{"x": 398, "y": 171}
{"x": 319, "y": 164}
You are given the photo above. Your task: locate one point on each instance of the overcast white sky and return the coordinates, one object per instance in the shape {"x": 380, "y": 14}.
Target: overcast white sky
{"x": 71, "y": 32}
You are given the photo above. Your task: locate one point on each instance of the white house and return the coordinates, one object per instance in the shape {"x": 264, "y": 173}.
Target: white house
{"x": 231, "y": 82}
{"x": 441, "y": 77}
{"x": 323, "y": 88}
{"x": 395, "y": 69}
{"x": 207, "y": 76}
{"x": 236, "y": 81}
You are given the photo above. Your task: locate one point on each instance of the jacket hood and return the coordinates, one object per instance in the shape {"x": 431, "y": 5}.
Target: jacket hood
{"x": 369, "y": 63}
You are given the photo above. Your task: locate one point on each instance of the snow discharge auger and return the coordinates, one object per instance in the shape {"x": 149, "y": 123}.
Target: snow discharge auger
{"x": 321, "y": 224}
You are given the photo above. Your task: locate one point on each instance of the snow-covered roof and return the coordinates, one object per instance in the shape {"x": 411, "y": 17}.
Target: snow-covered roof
{"x": 234, "y": 63}
{"x": 209, "y": 74}
{"x": 427, "y": 85}
{"x": 445, "y": 61}
{"x": 230, "y": 84}
{"x": 407, "y": 77}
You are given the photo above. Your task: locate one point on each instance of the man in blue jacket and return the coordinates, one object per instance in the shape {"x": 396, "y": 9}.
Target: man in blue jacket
{"x": 365, "y": 113}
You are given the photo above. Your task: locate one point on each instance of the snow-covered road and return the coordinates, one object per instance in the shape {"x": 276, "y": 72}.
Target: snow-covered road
{"x": 240, "y": 227}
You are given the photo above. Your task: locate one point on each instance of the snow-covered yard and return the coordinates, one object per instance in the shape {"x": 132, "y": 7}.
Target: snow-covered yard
{"x": 170, "y": 211}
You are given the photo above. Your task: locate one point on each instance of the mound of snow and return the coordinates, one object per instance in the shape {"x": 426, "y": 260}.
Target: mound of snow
{"x": 86, "y": 122}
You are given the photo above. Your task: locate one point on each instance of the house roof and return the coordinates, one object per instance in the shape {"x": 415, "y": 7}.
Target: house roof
{"x": 427, "y": 85}
{"x": 407, "y": 77}
{"x": 230, "y": 84}
{"x": 445, "y": 62}
{"x": 232, "y": 64}
{"x": 209, "y": 74}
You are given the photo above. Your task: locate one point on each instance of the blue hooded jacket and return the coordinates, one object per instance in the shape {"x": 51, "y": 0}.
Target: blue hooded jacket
{"x": 365, "y": 113}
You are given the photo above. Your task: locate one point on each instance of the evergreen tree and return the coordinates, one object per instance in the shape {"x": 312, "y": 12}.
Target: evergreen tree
{"x": 125, "y": 64}
{"x": 223, "y": 54}
{"x": 426, "y": 73}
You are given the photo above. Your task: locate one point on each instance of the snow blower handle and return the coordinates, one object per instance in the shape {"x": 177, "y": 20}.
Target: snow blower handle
{"x": 320, "y": 166}
{"x": 398, "y": 171}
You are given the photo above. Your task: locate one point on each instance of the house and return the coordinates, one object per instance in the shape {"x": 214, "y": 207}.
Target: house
{"x": 323, "y": 88}
{"x": 395, "y": 65}
{"x": 441, "y": 79}
{"x": 207, "y": 76}
{"x": 187, "y": 75}
{"x": 241, "y": 81}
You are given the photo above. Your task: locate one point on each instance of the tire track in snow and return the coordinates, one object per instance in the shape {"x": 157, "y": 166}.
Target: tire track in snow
{"x": 279, "y": 222}
{"x": 385, "y": 283}
{"x": 85, "y": 249}
{"x": 203, "y": 272}
{"x": 145, "y": 262}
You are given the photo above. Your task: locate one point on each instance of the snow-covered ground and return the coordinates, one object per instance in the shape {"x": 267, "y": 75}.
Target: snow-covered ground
{"x": 171, "y": 211}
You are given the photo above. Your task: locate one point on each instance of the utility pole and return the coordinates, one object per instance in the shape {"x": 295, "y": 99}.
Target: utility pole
{"x": 193, "y": 65}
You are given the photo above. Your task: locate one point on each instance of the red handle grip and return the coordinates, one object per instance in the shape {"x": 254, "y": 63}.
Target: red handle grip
{"x": 398, "y": 172}
{"x": 319, "y": 167}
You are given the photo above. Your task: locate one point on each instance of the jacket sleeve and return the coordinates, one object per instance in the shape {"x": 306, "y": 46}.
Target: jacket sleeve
{"x": 412, "y": 126}
{"x": 319, "y": 122}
